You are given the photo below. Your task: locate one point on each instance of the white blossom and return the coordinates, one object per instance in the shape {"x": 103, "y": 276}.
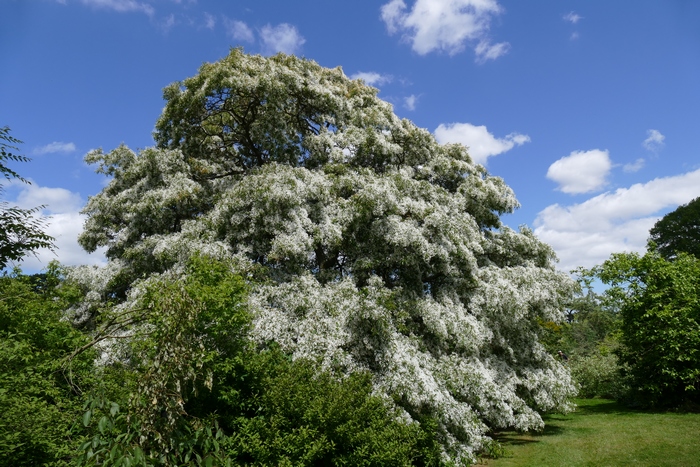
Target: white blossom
{"x": 384, "y": 249}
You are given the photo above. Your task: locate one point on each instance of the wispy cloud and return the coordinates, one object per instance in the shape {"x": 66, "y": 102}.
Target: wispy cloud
{"x": 445, "y": 26}
{"x": 281, "y": 38}
{"x": 581, "y": 171}
{"x": 585, "y": 234}
{"x": 410, "y": 102}
{"x": 209, "y": 21}
{"x": 372, "y": 78}
{"x": 654, "y": 141}
{"x": 238, "y": 30}
{"x": 635, "y": 166}
{"x": 55, "y": 147}
{"x": 480, "y": 142}
{"x": 121, "y": 6}
{"x": 572, "y": 17}
{"x": 167, "y": 23}
{"x": 487, "y": 51}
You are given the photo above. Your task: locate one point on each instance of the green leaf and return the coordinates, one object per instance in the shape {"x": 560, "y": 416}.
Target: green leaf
{"x": 86, "y": 417}
{"x": 102, "y": 424}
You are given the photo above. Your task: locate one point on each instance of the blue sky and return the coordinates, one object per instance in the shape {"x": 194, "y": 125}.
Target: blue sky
{"x": 590, "y": 110}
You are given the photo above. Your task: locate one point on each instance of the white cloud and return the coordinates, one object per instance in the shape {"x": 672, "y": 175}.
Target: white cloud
{"x": 410, "y": 102}
{"x": 121, "y": 6}
{"x": 209, "y": 21}
{"x": 167, "y": 23}
{"x": 480, "y": 142}
{"x": 372, "y": 78}
{"x": 65, "y": 224}
{"x": 445, "y": 25}
{"x": 572, "y": 17}
{"x": 585, "y": 234}
{"x": 55, "y": 147}
{"x": 634, "y": 166}
{"x": 574, "y": 36}
{"x": 238, "y": 30}
{"x": 281, "y": 38}
{"x": 581, "y": 171}
{"x": 654, "y": 141}
{"x": 57, "y": 200}
{"x": 486, "y": 51}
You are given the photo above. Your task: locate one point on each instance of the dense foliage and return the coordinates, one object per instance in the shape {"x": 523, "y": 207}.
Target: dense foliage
{"x": 41, "y": 397}
{"x": 21, "y": 230}
{"x": 590, "y": 338}
{"x": 660, "y": 310}
{"x": 195, "y": 391}
{"x": 678, "y": 231}
{"x": 380, "y": 252}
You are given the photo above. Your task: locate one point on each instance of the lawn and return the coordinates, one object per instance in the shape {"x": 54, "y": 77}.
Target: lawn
{"x": 604, "y": 433}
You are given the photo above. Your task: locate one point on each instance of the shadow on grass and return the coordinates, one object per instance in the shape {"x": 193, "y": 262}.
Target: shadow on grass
{"x": 514, "y": 438}
{"x": 602, "y": 406}
{"x": 554, "y": 422}
{"x": 611, "y": 407}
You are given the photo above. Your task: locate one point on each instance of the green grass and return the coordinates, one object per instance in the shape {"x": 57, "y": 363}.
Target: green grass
{"x": 604, "y": 433}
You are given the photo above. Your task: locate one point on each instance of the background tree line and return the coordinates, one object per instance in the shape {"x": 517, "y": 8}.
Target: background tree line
{"x": 639, "y": 339}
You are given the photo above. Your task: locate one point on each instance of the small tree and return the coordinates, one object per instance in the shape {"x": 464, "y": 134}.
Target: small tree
{"x": 660, "y": 325}
{"x": 678, "y": 231}
{"x": 21, "y": 231}
{"x": 382, "y": 250}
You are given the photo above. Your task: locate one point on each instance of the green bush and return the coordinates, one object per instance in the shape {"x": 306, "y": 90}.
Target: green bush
{"x": 598, "y": 374}
{"x": 289, "y": 413}
{"x": 198, "y": 392}
{"x": 40, "y": 396}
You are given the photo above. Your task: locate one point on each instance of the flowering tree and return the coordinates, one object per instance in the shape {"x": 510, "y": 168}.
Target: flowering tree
{"x": 382, "y": 250}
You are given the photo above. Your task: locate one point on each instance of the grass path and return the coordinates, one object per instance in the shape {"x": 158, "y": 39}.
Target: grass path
{"x": 604, "y": 433}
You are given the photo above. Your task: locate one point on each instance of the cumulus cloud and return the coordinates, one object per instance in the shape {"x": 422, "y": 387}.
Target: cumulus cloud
{"x": 372, "y": 78}
{"x": 581, "y": 171}
{"x": 281, "y": 38}
{"x": 121, "y": 6}
{"x": 480, "y": 142}
{"x": 585, "y": 234}
{"x": 654, "y": 141}
{"x": 572, "y": 17}
{"x": 55, "y": 147}
{"x": 445, "y": 25}
{"x": 634, "y": 166}
{"x": 238, "y": 30}
{"x": 65, "y": 224}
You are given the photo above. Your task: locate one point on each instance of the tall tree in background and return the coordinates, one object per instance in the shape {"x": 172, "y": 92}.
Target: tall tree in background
{"x": 382, "y": 250}
{"x": 21, "y": 231}
{"x": 678, "y": 231}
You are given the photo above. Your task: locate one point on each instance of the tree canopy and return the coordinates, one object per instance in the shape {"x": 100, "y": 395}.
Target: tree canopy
{"x": 678, "y": 231}
{"x": 375, "y": 248}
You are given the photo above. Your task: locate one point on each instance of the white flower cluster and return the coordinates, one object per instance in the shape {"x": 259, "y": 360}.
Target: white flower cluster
{"x": 384, "y": 249}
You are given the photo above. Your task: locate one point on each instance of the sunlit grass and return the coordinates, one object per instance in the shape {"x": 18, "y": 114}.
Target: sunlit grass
{"x": 605, "y": 433}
